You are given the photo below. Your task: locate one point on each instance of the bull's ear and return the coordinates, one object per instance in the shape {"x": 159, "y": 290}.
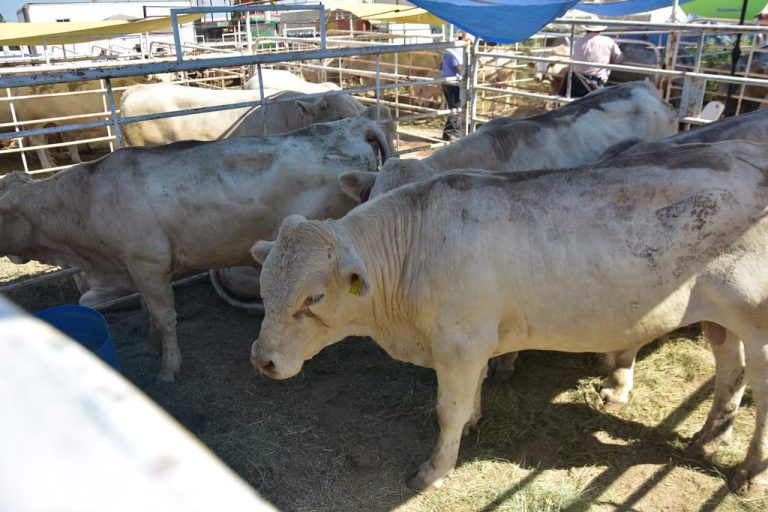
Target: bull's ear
{"x": 357, "y": 184}
{"x": 369, "y": 112}
{"x": 307, "y": 108}
{"x": 352, "y": 271}
{"x": 291, "y": 221}
{"x": 260, "y": 250}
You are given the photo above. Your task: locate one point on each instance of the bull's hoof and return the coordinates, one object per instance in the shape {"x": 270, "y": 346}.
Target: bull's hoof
{"x": 700, "y": 448}
{"x": 166, "y": 376}
{"x": 747, "y": 486}
{"x": 420, "y": 482}
{"x": 613, "y": 399}
{"x": 152, "y": 348}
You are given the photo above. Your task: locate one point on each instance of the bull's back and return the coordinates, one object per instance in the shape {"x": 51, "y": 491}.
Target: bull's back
{"x": 566, "y": 137}
{"x": 584, "y": 257}
{"x": 752, "y": 127}
{"x": 161, "y": 98}
{"x": 208, "y": 199}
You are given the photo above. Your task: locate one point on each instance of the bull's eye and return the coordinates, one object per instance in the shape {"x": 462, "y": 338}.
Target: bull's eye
{"x": 313, "y": 299}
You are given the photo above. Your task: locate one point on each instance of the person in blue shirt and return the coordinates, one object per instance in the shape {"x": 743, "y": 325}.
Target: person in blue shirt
{"x": 453, "y": 59}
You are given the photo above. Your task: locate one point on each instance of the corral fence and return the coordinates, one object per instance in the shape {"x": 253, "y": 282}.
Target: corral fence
{"x": 690, "y": 65}
{"x": 689, "y": 62}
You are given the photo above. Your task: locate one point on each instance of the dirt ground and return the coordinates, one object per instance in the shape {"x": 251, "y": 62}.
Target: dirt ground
{"x": 345, "y": 433}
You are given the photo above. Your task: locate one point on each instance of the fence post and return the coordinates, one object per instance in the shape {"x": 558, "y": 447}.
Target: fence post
{"x": 115, "y": 122}
{"x": 378, "y": 88}
{"x": 692, "y": 97}
{"x": 470, "y": 83}
{"x": 569, "y": 81}
{"x": 104, "y": 105}
{"x": 15, "y": 119}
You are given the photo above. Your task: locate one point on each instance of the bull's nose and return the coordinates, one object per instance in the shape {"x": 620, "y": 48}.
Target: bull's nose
{"x": 264, "y": 365}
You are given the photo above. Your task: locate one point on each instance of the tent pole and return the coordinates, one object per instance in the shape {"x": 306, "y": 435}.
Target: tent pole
{"x": 735, "y": 55}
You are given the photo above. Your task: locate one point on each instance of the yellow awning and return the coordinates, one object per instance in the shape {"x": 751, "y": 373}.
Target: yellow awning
{"x": 386, "y": 12}
{"x": 18, "y": 34}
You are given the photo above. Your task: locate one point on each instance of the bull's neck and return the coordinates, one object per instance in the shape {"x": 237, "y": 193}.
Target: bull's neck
{"x": 384, "y": 239}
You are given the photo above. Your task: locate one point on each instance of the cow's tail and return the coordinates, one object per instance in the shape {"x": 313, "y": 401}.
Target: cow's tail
{"x": 221, "y": 291}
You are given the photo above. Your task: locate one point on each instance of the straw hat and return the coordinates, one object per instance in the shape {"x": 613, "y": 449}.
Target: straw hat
{"x": 594, "y": 28}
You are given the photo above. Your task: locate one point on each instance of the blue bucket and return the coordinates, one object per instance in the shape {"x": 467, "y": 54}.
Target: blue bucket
{"x": 86, "y": 326}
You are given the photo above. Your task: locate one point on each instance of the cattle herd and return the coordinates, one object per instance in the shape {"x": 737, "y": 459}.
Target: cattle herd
{"x": 595, "y": 227}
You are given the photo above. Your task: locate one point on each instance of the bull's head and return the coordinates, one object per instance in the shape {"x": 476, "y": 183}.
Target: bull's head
{"x": 395, "y": 173}
{"x": 313, "y": 284}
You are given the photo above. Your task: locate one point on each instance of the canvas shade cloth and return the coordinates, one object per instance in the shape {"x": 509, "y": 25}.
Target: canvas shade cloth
{"x": 513, "y": 21}
{"x": 18, "y": 34}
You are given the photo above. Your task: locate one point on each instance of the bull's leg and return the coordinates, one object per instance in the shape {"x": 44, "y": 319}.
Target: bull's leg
{"x": 477, "y": 409}
{"x": 43, "y": 154}
{"x": 81, "y": 280}
{"x": 459, "y": 363}
{"x": 74, "y": 154}
{"x": 621, "y": 380}
{"x": 752, "y": 476}
{"x": 156, "y": 292}
{"x": 729, "y": 387}
{"x": 154, "y": 343}
{"x": 501, "y": 368}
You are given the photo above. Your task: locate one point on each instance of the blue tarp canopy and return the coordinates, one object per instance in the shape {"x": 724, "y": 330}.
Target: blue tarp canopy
{"x": 512, "y": 21}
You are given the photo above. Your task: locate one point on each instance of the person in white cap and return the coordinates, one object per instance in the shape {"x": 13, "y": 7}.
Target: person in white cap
{"x": 591, "y": 47}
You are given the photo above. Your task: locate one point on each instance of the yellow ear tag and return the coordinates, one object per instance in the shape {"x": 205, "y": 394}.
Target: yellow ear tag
{"x": 355, "y": 285}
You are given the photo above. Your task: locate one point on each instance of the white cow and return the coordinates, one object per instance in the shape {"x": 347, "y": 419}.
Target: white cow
{"x": 235, "y": 284}
{"x": 46, "y": 107}
{"x": 396, "y": 173}
{"x": 258, "y": 120}
{"x": 276, "y": 80}
{"x": 139, "y": 217}
{"x": 450, "y": 272}
{"x": 572, "y": 135}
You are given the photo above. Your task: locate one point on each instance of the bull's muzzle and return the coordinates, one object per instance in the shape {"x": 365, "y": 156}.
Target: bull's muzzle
{"x": 264, "y": 365}
{"x": 262, "y": 362}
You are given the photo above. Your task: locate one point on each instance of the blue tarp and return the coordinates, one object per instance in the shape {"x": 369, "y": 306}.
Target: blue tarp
{"x": 500, "y": 21}
{"x": 512, "y": 21}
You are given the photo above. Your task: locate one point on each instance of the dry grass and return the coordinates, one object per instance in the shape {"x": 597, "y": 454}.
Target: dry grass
{"x": 344, "y": 434}
{"x": 10, "y": 273}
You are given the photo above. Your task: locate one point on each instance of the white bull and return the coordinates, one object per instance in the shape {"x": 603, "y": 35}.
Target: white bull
{"x": 572, "y": 135}
{"x": 59, "y": 108}
{"x": 139, "y": 217}
{"x": 396, "y": 173}
{"x": 276, "y": 80}
{"x": 269, "y": 119}
{"x": 450, "y": 272}
{"x": 234, "y": 284}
